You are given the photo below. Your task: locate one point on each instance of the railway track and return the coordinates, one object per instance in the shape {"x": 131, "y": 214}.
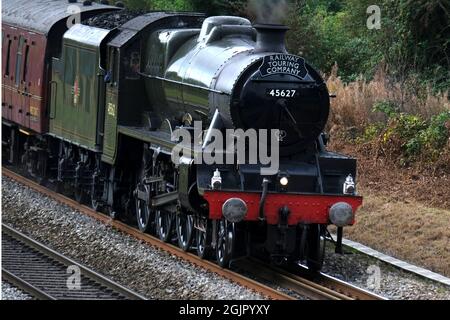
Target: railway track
{"x": 322, "y": 288}
{"x": 317, "y": 287}
{"x": 46, "y": 275}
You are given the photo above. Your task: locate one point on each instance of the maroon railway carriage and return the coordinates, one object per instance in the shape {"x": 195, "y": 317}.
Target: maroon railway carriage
{"x": 29, "y": 41}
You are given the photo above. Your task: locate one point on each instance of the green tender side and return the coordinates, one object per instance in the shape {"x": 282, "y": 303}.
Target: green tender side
{"x": 76, "y": 109}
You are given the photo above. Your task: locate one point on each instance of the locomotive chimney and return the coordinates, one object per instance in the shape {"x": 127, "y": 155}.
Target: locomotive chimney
{"x": 270, "y": 38}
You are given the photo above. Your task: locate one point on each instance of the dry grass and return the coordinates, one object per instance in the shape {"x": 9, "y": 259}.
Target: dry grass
{"x": 407, "y": 230}
{"x": 352, "y": 109}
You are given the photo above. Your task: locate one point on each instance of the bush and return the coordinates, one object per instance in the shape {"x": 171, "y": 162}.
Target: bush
{"x": 409, "y": 138}
{"x": 388, "y": 108}
{"x": 434, "y": 138}
{"x": 371, "y": 132}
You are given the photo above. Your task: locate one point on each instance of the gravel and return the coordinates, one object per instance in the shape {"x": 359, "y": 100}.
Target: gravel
{"x": 12, "y": 293}
{"x": 381, "y": 278}
{"x": 149, "y": 271}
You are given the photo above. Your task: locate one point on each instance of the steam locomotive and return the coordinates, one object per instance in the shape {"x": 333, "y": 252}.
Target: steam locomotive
{"x": 92, "y": 106}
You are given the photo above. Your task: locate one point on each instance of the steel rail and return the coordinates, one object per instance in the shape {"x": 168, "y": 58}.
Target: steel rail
{"x": 320, "y": 287}
{"x": 86, "y": 272}
{"x": 300, "y": 286}
{"x": 25, "y": 286}
{"x": 347, "y": 289}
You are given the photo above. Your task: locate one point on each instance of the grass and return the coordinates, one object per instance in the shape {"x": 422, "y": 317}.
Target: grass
{"x": 406, "y": 230}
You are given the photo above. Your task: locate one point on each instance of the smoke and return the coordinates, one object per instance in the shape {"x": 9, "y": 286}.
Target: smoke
{"x": 268, "y": 11}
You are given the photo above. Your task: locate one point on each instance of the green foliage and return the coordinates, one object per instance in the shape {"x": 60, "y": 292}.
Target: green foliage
{"x": 371, "y": 132}
{"x": 210, "y": 7}
{"x": 436, "y": 135}
{"x": 410, "y": 137}
{"x": 213, "y": 7}
{"x": 388, "y": 108}
{"x": 414, "y": 38}
{"x": 334, "y": 31}
{"x": 179, "y": 5}
{"x": 137, "y": 4}
{"x": 176, "y": 5}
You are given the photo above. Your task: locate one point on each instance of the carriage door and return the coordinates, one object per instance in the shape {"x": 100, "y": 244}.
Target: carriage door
{"x": 26, "y": 84}
{"x": 6, "y": 64}
{"x": 18, "y": 98}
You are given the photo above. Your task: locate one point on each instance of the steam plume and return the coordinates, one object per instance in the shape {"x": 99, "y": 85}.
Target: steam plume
{"x": 268, "y": 11}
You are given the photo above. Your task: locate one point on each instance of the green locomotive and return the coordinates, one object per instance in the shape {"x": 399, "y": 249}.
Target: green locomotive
{"x": 112, "y": 98}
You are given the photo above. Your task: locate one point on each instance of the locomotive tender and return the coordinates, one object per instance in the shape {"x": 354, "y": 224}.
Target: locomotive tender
{"x": 93, "y": 107}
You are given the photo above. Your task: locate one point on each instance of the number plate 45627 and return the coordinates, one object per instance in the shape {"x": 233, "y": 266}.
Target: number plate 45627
{"x": 282, "y": 93}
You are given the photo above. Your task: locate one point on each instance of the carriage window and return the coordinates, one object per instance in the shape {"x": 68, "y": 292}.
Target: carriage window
{"x": 25, "y": 64}
{"x": 8, "y": 57}
{"x": 19, "y": 60}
